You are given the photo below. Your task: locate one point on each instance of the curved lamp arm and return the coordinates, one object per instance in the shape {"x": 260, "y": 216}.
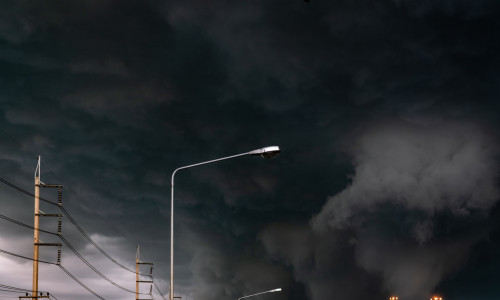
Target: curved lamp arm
{"x": 266, "y": 152}
{"x": 204, "y": 163}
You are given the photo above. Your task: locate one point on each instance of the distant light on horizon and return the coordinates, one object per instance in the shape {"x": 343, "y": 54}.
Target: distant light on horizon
{"x": 436, "y": 298}
{"x": 394, "y": 298}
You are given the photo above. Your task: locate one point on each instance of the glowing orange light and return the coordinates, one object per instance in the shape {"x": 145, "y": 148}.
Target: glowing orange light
{"x": 394, "y": 298}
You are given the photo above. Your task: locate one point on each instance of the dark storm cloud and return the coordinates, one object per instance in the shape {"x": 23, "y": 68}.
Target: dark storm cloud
{"x": 324, "y": 264}
{"x": 117, "y": 94}
{"x": 412, "y": 272}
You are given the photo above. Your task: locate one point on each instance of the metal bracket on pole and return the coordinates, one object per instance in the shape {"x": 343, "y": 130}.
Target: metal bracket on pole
{"x": 49, "y": 244}
{"x": 58, "y": 186}
{"x": 35, "y": 297}
{"x": 49, "y": 215}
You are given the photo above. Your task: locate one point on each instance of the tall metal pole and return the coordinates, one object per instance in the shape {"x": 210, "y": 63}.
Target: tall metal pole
{"x": 137, "y": 274}
{"x": 36, "y": 232}
{"x": 171, "y": 290}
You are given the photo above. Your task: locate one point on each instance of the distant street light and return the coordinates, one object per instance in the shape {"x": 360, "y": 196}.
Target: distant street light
{"x": 266, "y": 152}
{"x": 271, "y": 291}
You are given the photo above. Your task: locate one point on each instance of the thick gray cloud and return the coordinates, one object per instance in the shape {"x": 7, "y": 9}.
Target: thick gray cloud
{"x": 411, "y": 272}
{"x": 411, "y": 174}
{"x": 431, "y": 168}
{"x": 323, "y": 263}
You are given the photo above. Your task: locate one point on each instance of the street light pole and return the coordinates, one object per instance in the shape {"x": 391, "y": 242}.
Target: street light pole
{"x": 266, "y": 152}
{"x": 271, "y": 291}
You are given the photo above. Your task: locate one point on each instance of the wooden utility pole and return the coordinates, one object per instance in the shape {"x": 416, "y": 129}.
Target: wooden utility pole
{"x": 36, "y": 235}
{"x": 137, "y": 273}
{"x": 36, "y": 232}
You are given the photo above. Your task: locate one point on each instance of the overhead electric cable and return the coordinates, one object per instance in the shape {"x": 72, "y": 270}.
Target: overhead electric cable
{"x": 52, "y": 296}
{"x": 79, "y": 282}
{"x": 92, "y": 267}
{"x": 64, "y": 269}
{"x": 68, "y": 245}
{"x": 9, "y": 291}
{"x": 25, "y": 191}
{"x": 70, "y": 218}
{"x": 158, "y": 289}
{"x": 24, "y": 225}
{"x": 25, "y": 257}
{"x": 71, "y": 248}
{"x": 13, "y": 288}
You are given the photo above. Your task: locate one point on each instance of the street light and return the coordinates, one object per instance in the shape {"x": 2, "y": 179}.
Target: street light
{"x": 271, "y": 291}
{"x": 266, "y": 152}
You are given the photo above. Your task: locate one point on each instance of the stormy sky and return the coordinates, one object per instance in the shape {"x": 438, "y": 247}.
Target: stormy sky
{"x": 387, "y": 113}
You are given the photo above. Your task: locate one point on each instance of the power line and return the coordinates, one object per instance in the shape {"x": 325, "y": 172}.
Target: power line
{"x": 71, "y": 219}
{"x": 25, "y": 191}
{"x": 52, "y": 296}
{"x": 79, "y": 282}
{"x": 8, "y": 291}
{"x": 62, "y": 238}
{"x": 64, "y": 269}
{"x": 92, "y": 267}
{"x": 12, "y": 289}
{"x": 158, "y": 289}
{"x": 8, "y": 297}
{"x": 25, "y": 257}
{"x": 73, "y": 249}
{"x": 24, "y": 225}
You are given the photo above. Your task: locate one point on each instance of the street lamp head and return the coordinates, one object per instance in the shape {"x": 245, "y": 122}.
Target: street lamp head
{"x": 276, "y": 290}
{"x": 266, "y": 152}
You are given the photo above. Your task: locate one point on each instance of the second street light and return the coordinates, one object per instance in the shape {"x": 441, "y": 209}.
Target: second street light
{"x": 266, "y": 152}
{"x": 271, "y": 291}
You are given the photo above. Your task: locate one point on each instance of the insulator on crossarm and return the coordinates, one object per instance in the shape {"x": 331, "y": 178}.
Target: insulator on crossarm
{"x": 59, "y": 197}
{"x": 59, "y": 226}
{"x": 59, "y": 256}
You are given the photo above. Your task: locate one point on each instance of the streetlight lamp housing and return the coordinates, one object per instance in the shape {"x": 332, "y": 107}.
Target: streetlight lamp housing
{"x": 266, "y": 152}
